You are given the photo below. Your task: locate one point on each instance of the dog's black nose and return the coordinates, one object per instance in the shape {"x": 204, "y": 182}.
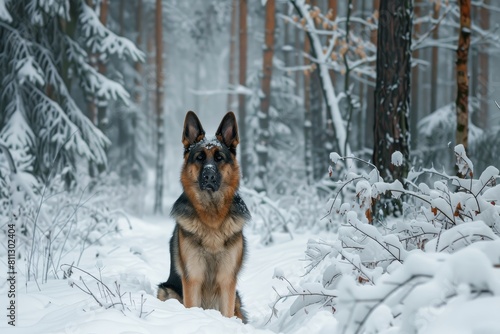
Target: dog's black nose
{"x": 209, "y": 178}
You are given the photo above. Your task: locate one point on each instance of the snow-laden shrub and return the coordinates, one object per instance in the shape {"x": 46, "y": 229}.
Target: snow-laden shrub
{"x": 401, "y": 274}
{"x": 268, "y": 216}
{"x": 435, "y": 129}
{"x": 407, "y": 296}
{"x": 51, "y": 222}
{"x": 294, "y": 212}
{"x": 62, "y": 221}
{"x": 105, "y": 291}
{"x": 486, "y": 149}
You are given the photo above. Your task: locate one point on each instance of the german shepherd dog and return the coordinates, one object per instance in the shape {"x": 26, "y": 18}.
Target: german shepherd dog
{"x": 207, "y": 247}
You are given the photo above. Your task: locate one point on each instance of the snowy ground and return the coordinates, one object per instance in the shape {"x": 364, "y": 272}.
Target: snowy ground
{"x": 138, "y": 259}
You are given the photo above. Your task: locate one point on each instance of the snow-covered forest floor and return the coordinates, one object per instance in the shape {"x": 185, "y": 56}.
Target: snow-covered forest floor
{"x": 137, "y": 258}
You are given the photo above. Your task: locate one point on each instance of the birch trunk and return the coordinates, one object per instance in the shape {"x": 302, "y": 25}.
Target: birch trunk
{"x": 326, "y": 82}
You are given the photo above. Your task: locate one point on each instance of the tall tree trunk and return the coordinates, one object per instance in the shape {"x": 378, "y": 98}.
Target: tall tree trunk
{"x": 360, "y": 130}
{"x": 308, "y": 147}
{"x": 414, "y": 105}
{"x": 330, "y": 131}
{"x": 320, "y": 162}
{"x": 462, "y": 101}
{"x": 159, "y": 109}
{"x": 151, "y": 99}
{"x": 370, "y": 94}
{"x": 286, "y": 41}
{"x": 242, "y": 126}
{"x": 138, "y": 65}
{"x": 197, "y": 81}
{"x": 297, "y": 60}
{"x": 102, "y": 120}
{"x": 126, "y": 148}
{"x": 232, "y": 53}
{"x": 97, "y": 114}
{"x": 121, "y": 17}
{"x": 137, "y": 95}
{"x": 473, "y": 60}
{"x": 435, "y": 60}
{"x": 265, "y": 102}
{"x": 92, "y": 107}
{"x": 392, "y": 91}
{"x": 69, "y": 28}
{"x": 482, "y": 115}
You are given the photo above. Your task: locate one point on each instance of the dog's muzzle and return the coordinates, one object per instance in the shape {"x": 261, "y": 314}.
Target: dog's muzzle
{"x": 210, "y": 178}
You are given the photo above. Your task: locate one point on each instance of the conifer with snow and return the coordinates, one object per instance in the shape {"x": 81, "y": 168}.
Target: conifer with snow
{"x": 46, "y": 77}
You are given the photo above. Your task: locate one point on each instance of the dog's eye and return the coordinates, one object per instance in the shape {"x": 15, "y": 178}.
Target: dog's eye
{"x": 218, "y": 157}
{"x": 200, "y": 157}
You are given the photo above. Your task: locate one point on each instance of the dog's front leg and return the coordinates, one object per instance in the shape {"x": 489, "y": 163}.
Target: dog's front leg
{"x": 226, "y": 278}
{"x": 193, "y": 268}
{"x": 227, "y": 297}
{"x": 191, "y": 288}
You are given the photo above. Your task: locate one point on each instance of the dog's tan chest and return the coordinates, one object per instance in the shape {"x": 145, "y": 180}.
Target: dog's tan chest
{"x": 212, "y": 240}
{"x": 214, "y": 267}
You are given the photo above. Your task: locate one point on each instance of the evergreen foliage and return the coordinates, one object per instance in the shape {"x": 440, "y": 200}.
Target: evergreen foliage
{"x": 47, "y": 76}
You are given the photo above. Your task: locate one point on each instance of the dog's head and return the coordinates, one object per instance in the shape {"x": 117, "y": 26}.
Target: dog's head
{"x": 210, "y": 166}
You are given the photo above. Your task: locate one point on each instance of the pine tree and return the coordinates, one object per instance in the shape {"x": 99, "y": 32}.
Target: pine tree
{"x": 43, "y": 53}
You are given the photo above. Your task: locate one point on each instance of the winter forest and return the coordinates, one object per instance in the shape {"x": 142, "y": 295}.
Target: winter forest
{"x": 368, "y": 153}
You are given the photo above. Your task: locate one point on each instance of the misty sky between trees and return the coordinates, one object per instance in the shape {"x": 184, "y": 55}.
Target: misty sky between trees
{"x": 368, "y": 141}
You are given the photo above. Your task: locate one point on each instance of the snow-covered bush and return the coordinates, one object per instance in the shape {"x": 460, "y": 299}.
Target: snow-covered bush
{"x": 298, "y": 210}
{"x": 51, "y": 222}
{"x": 107, "y": 293}
{"x": 435, "y": 129}
{"x": 410, "y": 296}
{"x": 402, "y": 273}
{"x": 485, "y": 150}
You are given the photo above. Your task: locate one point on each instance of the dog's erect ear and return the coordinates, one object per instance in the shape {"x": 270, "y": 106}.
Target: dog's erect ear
{"x": 227, "y": 132}
{"x": 193, "y": 131}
